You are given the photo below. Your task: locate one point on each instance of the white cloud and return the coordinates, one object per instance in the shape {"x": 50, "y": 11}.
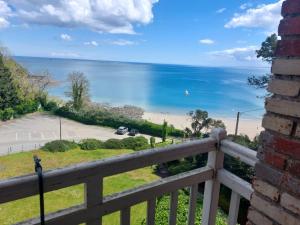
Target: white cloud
{"x": 65, "y": 54}
{"x": 91, "y": 43}
{"x": 111, "y": 16}
{"x": 3, "y": 23}
{"x": 66, "y": 37}
{"x": 239, "y": 53}
{"x": 221, "y": 10}
{"x": 206, "y": 41}
{"x": 266, "y": 16}
{"x": 246, "y": 5}
{"x": 122, "y": 42}
{"x": 5, "y": 12}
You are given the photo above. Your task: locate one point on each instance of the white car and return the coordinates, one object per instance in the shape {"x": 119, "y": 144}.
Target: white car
{"x": 122, "y": 130}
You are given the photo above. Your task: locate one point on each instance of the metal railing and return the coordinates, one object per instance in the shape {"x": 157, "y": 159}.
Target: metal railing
{"x": 96, "y": 206}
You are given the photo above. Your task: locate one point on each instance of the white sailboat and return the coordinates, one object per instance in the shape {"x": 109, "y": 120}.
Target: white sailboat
{"x": 186, "y": 93}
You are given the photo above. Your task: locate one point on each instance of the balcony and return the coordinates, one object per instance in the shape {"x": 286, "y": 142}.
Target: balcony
{"x": 92, "y": 174}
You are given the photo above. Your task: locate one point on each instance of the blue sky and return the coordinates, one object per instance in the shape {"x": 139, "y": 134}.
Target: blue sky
{"x": 194, "y": 32}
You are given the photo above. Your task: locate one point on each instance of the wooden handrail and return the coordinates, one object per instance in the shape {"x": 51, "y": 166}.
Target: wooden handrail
{"x": 25, "y": 186}
{"x": 91, "y": 174}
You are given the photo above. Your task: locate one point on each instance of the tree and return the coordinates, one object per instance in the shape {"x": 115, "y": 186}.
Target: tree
{"x": 79, "y": 90}
{"x": 164, "y": 133}
{"x": 200, "y": 121}
{"x": 9, "y": 95}
{"x": 267, "y": 54}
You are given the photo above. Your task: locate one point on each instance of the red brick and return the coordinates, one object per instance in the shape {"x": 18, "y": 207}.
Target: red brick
{"x": 281, "y": 180}
{"x": 289, "y": 26}
{"x": 275, "y": 159}
{"x": 293, "y": 167}
{"x": 290, "y": 147}
{"x": 291, "y": 184}
{"x": 290, "y": 7}
{"x": 269, "y": 174}
{"x": 287, "y": 48}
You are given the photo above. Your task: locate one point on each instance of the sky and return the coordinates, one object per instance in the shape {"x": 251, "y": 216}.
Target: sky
{"x": 191, "y": 32}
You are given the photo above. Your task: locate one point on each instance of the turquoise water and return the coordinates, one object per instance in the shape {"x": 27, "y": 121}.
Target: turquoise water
{"x": 158, "y": 87}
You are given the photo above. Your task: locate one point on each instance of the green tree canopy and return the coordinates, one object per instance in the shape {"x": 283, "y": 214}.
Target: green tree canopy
{"x": 201, "y": 121}
{"x": 79, "y": 89}
{"x": 9, "y": 94}
{"x": 267, "y": 54}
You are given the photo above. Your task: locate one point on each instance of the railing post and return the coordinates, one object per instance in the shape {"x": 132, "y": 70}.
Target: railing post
{"x": 234, "y": 208}
{"x": 212, "y": 187}
{"x": 93, "y": 196}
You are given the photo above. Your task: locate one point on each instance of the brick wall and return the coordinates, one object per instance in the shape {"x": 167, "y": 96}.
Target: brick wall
{"x": 276, "y": 199}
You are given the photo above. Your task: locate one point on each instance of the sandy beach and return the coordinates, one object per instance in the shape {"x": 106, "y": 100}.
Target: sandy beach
{"x": 251, "y": 127}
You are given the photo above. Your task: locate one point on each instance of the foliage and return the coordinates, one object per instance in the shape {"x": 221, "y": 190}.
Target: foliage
{"x": 79, "y": 89}
{"x": 268, "y": 47}
{"x": 91, "y": 144}
{"x": 104, "y": 118}
{"x": 200, "y": 121}
{"x": 164, "y": 132}
{"x": 59, "y": 146}
{"x": 6, "y": 114}
{"x": 163, "y": 208}
{"x": 9, "y": 95}
{"x": 267, "y": 54}
{"x": 135, "y": 143}
{"x": 51, "y": 106}
{"x": 27, "y": 106}
{"x": 152, "y": 142}
{"x": 113, "y": 144}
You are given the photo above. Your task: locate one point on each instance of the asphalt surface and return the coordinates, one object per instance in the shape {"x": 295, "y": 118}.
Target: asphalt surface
{"x": 33, "y": 131}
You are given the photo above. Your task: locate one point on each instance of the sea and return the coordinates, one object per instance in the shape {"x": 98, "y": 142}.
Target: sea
{"x": 177, "y": 89}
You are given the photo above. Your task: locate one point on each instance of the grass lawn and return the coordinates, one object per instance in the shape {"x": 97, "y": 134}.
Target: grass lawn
{"x": 22, "y": 163}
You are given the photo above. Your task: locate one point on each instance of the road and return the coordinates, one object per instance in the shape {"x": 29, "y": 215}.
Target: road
{"x": 34, "y": 130}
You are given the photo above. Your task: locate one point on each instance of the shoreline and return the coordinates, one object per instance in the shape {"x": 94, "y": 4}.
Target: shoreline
{"x": 248, "y": 126}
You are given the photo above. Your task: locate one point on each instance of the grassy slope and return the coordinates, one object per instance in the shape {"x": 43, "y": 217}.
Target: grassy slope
{"x": 21, "y": 164}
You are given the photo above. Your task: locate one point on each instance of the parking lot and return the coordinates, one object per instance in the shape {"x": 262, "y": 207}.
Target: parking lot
{"x": 34, "y": 130}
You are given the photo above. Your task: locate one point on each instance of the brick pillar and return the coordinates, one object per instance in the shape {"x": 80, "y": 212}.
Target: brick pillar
{"x": 276, "y": 199}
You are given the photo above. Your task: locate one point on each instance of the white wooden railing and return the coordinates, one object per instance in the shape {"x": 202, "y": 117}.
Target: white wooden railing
{"x": 96, "y": 206}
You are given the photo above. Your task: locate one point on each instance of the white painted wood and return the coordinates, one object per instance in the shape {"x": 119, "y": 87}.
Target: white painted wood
{"x": 92, "y": 174}
{"x": 22, "y": 187}
{"x": 173, "y": 208}
{"x": 192, "y": 204}
{"x": 125, "y": 216}
{"x": 131, "y": 197}
{"x": 237, "y": 151}
{"x": 234, "y": 208}
{"x": 212, "y": 187}
{"x": 151, "y": 205}
{"x": 235, "y": 183}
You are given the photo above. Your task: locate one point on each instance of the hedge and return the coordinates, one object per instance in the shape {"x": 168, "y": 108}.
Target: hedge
{"x": 59, "y": 146}
{"x": 103, "y": 118}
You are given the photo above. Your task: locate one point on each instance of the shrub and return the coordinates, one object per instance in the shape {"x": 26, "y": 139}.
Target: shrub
{"x": 152, "y": 142}
{"x": 135, "y": 143}
{"x": 104, "y": 118}
{"x": 163, "y": 209}
{"x": 7, "y": 114}
{"x": 113, "y": 144}
{"x": 51, "y": 106}
{"x": 59, "y": 146}
{"x": 27, "y": 106}
{"x": 91, "y": 144}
